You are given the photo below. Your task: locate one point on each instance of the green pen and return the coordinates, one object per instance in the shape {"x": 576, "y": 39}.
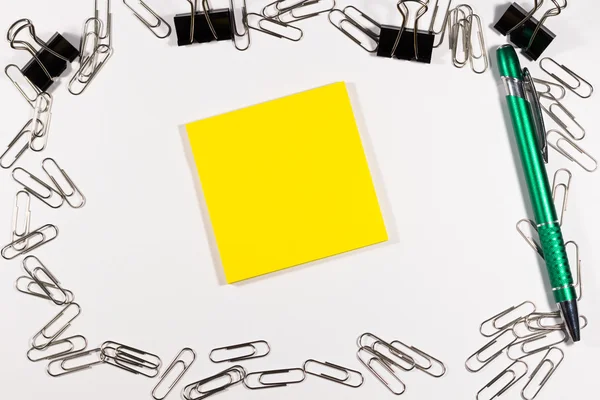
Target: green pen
{"x": 527, "y": 121}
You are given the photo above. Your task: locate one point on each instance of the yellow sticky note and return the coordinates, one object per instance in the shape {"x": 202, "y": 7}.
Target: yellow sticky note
{"x": 286, "y": 182}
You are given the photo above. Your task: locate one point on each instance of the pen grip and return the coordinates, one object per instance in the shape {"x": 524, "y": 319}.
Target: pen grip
{"x": 555, "y": 255}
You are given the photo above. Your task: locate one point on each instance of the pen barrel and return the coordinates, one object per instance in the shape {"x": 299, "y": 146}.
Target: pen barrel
{"x": 557, "y": 262}
{"x": 534, "y": 169}
{"x": 540, "y": 194}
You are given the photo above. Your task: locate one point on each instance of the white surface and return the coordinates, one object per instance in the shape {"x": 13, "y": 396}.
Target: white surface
{"x": 137, "y": 255}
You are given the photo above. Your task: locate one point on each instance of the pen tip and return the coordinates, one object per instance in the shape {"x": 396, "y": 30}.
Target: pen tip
{"x": 570, "y": 315}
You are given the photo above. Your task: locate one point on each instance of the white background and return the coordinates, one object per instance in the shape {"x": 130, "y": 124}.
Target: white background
{"x": 138, "y": 257}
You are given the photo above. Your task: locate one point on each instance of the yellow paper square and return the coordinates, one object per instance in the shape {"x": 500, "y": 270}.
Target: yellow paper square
{"x": 286, "y": 182}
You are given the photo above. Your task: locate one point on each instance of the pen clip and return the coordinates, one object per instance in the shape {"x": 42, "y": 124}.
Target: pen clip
{"x": 536, "y": 110}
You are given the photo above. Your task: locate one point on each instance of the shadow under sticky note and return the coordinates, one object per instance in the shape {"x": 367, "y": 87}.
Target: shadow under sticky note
{"x": 286, "y": 182}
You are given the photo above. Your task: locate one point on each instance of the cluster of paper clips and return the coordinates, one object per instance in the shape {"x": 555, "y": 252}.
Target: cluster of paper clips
{"x": 127, "y": 358}
{"x": 550, "y": 94}
{"x": 235, "y": 23}
{"x": 520, "y": 333}
{"x": 61, "y": 189}
{"x": 386, "y": 359}
{"x": 95, "y": 47}
{"x": 463, "y": 25}
{"x": 414, "y": 44}
{"x": 270, "y": 379}
{"x": 34, "y": 135}
{"x": 49, "y": 61}
{"x": 237, "y": 374}
{"x": 67, "y": 355}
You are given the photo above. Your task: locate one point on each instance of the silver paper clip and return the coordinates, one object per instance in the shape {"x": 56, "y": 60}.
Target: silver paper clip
{"x": 83, "y": 360}
{"x": 154, "y": 25}
{"x": 305, "y": 10}
{"x": 568, "y": 149}
{"x": 588, "y": 89}
{"x": 21, "y": 217}
{"x": 259, "y": 380}
{"x": 26, "y": 285}
{"x": 565, "y": 186}
{"x": 45, "y": 193}
{"x": 70, "y": 192}
{"x": 460, "y": 34}
{"x": 274, "y": 27}
{"x": 242, "y": 36}
{"x": 103, "y": 14}
{"x": 278, "y": 7}
{"x": 381, "y": 370}
{"x": 32, "y": 241}
{"x": 130, "y": 359}
{"x": 569, "y": 124}
{"x": 529, "y": 238}
{"x": 552, "y": 359}
{"x": 496, "y": 347}
{"x": 442, "y": 30}
{"x": 517, "y": 370}
{"x": 423, "y": 361}
{"x": 256, "y": 349}
{"x": 216, "y": 383}
{"x": 393, "y": 356}
{"x": 327, "y": 370}
{"x": 535, "y": 343}
{"x": 522, "y": 330}
{"x": 43, "y": 277}
{"x": 535, "y": 322}
{"x": 579, "y": 284}
{"x": 18, "y": 145}
{"x": 361, "y": 23}
{"x": 42, "y": 116}
{"x": 460, "y": 43}
{"x": 28, "y": 90}
{"x": 183, "y": 361}
{"x": 513, "y": 314}
{"x": 49, "y": 333}
{"x": 58, "y": 349}
{"x": 482, "y": 53}
{"x": 79, "y": 83}
{"x": 544, "y": 89}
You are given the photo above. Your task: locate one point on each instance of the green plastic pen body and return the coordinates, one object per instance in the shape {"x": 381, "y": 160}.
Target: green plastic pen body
{"x": 538, "y": 185}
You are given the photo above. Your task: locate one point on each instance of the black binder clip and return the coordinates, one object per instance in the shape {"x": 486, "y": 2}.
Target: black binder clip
{"x": 49, "y": 62}
{"x": 203, "y": 26}
{"x": 405, "y": 43}
{"x": 526, "y": 32}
